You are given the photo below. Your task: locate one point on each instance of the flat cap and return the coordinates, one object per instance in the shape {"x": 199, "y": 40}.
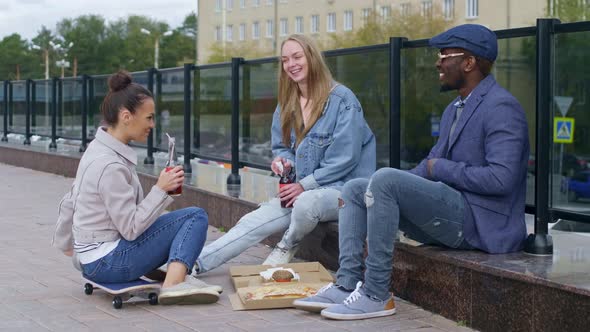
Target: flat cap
{"x": 474, "y": 38}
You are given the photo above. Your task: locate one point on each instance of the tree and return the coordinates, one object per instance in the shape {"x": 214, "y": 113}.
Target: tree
{"x": 87, "y": 33}
{"x": 16, "y": 62}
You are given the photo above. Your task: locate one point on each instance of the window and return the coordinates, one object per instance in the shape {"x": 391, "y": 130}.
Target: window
{"x": 426, "y": 8}
{"x": 269, "y": 28}
{"x": 472, "y": 10}
{"x": 255, "y": 30}
{"x": 217, "y": 33}
{"x": 229, "y": 4}
{"x": 242, "y": 4}
{"x": 347, "y": 20}
{"x": 405, "y": 9}
{"x": 255, "y": 3}
{"x": 218, "y": 5}
{"x": 299, "y": 24}
{"x": 449, "y": 9}
{"x": 229, "y": 32}
{"x": 315, "y": 23}
{"x": 269, "y": 2}
{"x": 242, "y": 32}
{"x": 331, "y": 27}
{"x": 385, "y": 13}
{"x": 366, "y": 13}
{"x": 284, "y": 27}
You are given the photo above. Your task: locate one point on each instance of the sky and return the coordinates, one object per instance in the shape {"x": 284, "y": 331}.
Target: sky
{"x": 26, "y": 17}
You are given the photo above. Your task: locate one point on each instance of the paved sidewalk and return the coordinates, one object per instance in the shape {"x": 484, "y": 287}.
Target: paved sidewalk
{"x": 41, "y": 291}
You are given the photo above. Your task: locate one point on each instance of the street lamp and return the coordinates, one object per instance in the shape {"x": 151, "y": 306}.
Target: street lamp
{"x": 156, "y": 43}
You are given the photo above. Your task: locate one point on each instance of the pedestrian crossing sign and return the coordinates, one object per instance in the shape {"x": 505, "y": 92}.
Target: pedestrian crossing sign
{"x": 563, "y": 130}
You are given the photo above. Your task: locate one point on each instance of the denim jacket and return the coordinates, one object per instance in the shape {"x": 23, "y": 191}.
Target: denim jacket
{"x": 339, "y": 147}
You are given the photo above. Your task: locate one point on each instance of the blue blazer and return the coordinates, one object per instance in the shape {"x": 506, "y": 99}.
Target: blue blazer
{"x": 486, "y": 160}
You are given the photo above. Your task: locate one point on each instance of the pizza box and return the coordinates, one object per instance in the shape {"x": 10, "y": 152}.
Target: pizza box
{"x": 250, "y": 286}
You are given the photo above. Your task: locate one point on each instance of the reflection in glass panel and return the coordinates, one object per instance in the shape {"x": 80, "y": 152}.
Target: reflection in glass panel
{"x": 212, "y": 113}
{"x": 169, "y": 109}
{"x": 570, "y": 160}
{"x": 259, "y": 101}
{"x": 367, "y": 75}
{"x": 515, "y": 71}
{"x": 69, "y": 116}
{"x": 41, "y": 115}
{"x": 18, "y": 109}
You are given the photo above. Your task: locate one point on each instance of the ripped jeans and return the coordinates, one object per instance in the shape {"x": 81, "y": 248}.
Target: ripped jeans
{"x": 311, "y": 207}
{"x": 427, "y": 211}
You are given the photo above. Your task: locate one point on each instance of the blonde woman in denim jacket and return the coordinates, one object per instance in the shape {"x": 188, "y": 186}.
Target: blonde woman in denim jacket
{"x": 320, "y": 136}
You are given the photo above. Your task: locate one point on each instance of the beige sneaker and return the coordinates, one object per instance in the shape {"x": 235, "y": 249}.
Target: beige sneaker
{"x": 201, "y": 284}
{"x": 279, "y": 256}
{"x": 187, "y": 293}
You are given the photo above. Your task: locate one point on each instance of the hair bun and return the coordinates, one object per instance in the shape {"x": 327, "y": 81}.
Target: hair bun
{"x": 119, "y": 81}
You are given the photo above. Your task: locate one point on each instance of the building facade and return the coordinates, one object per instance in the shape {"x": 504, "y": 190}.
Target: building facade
{"x": 265, "y": 23}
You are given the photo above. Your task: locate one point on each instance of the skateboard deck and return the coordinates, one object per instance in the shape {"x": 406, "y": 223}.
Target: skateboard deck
{"x": 123, "y": 292}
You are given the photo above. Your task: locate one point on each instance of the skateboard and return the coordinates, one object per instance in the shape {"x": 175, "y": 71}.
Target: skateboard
{"x": 123, "y": 292}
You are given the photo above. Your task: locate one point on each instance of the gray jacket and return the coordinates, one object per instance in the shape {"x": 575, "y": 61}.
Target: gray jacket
{"x": 106, "y": 201}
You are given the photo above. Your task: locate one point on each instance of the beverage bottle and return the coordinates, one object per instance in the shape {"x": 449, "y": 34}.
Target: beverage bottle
{"x": 172, "y": 162}
{"x": 284, "y": 180}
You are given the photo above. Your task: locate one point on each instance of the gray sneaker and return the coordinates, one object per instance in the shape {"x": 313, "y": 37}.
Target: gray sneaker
{"x": 360, "y": 306}
{"x": 327, "y": 296}
{"x": 187, "y": 293}
{"x": 201, "y": 284}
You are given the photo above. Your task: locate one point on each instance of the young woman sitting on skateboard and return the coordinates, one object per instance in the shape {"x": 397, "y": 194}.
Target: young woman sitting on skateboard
{"x": 114, "y": 233}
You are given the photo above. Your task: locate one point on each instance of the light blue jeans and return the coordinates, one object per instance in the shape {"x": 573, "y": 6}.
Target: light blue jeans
{"x": 177, "y": 236}
{"x": 427, "y": 211}
{"x": 310, "y": 208}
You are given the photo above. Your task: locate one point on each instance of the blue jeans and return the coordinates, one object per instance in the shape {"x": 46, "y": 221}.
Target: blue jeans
{"x": 311, "y": 207}
{"x": 177, "y": 236}
{"x": 427, "y": 211}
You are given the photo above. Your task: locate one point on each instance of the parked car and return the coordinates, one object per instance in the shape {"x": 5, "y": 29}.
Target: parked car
{"x": 578, "y": 186}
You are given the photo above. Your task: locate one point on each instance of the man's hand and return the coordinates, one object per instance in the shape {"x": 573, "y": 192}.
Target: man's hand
{"x": 69, "y": 253}
{"x": 430, "y": 166}
{"x": 289, "y": 193}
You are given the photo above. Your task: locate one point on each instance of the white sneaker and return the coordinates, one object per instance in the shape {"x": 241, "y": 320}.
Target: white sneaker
{"x": 201, "y": 284}
{"x": 280, "y": 256}
{"x": 187, "y": 293}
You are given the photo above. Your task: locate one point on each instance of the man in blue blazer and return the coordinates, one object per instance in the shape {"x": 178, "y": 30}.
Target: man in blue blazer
{"x": 469, "y": 193}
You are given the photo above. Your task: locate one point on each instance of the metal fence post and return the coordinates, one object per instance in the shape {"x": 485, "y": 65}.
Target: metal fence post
{"x": 4, "y": 136}
{"x": 541, "y": 243}
{"x": 188, "y": 67}
{"x": 149, "y": 159}
{"x": 33, "y": 104}
{"x": 84, "y": 112}
{"x": 196, "y": 109}
{"x": 395, "y": 97}
{"x": 233, "y": 180}
{"x": 28, "y": 112}
{"x": 54, "y": 83}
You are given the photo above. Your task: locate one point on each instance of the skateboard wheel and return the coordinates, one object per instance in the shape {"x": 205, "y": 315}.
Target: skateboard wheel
{"x": 88, "y": 289}
{"x": 153, "y": 298}
{"x": 117, "y": 302}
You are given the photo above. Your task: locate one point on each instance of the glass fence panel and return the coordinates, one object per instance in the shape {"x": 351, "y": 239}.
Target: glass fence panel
{"x": 515, "y": 71}
{"x": 98, "y": 90}
{"x": 2, "y": 108}
{"x": 69, "y": 116}
{"x": 212, "y": 113}
{"x": 367, "y": 75}
{"x": 169, "y": 109}
{"x": 18, "y": 109}
{"x": 570, "y": 160}
{"x": 257, "y": 105}
{"x": 41, "y": 115}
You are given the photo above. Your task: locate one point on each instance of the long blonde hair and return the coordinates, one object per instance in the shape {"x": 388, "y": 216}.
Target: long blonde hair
{"x": 319, "y": 81}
